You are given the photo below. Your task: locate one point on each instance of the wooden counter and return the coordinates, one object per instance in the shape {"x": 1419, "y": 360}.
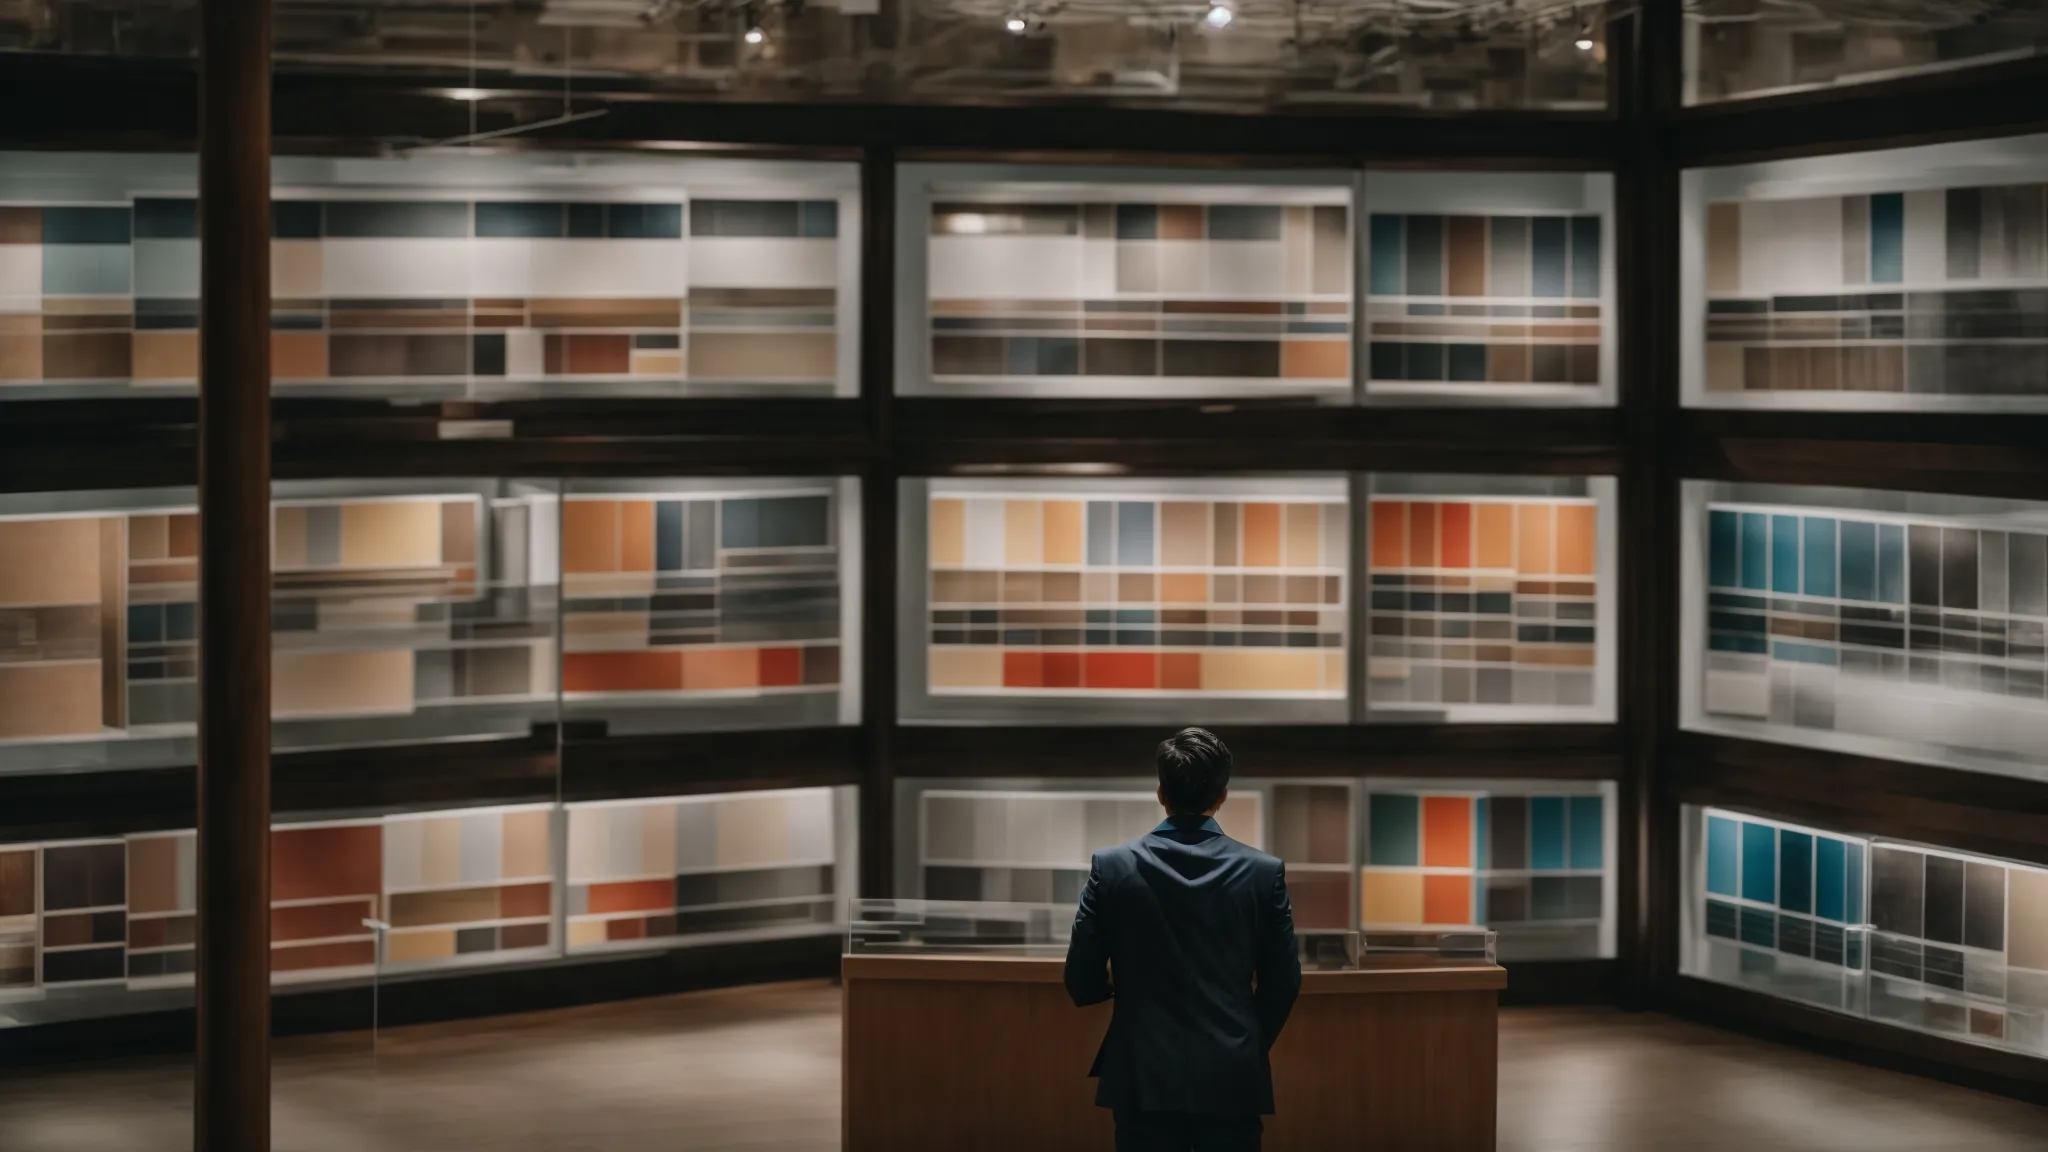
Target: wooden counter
{"x": 949, "y": 1053}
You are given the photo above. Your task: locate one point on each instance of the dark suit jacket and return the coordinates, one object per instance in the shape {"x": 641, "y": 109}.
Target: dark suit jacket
{"x": 1176, "y": 927}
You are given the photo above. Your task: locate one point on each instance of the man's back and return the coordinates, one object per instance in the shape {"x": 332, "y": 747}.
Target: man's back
{"x": 1177, "y": 927}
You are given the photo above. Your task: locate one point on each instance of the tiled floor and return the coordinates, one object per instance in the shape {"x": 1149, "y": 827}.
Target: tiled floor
{"x": 758, "y": 1068}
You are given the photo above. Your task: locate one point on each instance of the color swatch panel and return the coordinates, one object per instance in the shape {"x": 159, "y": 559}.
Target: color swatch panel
{"x": 1485, "y": 302}
{"x": 1124, "y": 296}
{"x": 701, "y": 865}
{"x": 681, "y": 595}
{"x": 1484, "y": 602}
{"x": 19, "y": 884}
{"x": 1031, "y": 847}
{"x": 382, "y": 607}
{"x": 437, "y": 296}
{"x": 1927, "y": 938}
{"x": 1939, "y": 292}
{"x": 84, "y": 913}
{"x": 326, "y": 880}
{"x": 163, "y": 905}
{"x": 1533, "y": 867}
{"x": 471, "y": 884}
{"x": 1051, "y": 595}
{"x": 1926, "y": 632}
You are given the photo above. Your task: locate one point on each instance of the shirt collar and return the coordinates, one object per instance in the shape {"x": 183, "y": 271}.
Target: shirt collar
{"x": 1189, "y": 824}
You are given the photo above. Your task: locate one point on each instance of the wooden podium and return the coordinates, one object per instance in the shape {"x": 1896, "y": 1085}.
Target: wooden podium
{"x": 947, "y": 1053}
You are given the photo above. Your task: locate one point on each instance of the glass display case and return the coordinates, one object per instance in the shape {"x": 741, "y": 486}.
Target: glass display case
{"x": 1908, "y": 279}
{"x": 1887, "y": 624}
{"x": 1098, "y": 601}
{"x": 1490, "y": 599}
{"x": 1103, "y": 282}
{"x": 1738, "y": 49}
{"x": 1493, "y": 287}
{"x": 706, "y": 604}
{"x": 455, "y": 274}
{"x": 655, "y": 872}
{"x": 1905, "y": 934}
{"x": 402, "y": 611}
{"x": 1532, "y": 861}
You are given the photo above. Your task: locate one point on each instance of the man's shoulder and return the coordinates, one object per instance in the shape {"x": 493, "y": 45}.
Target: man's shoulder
{"x": 1264, "y": 861}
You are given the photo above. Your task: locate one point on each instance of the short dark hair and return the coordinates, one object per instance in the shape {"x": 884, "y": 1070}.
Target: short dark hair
{"x": 1194, "y": 770}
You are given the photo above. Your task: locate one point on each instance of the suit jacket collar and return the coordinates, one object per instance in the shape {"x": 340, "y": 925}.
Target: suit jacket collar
{"x": 1184, "y": 824}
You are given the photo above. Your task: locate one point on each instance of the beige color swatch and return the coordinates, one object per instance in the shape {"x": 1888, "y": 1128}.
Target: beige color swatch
{"x": 341, "y": 683}
{"x": 1304, "y": 535}
{"x": 753, "y": 830}
{"x": 148, "y": 537}
{"x": 441, "y": 850}
{"x": 1390, "y": 897}
{"x": 764, "y": 355}
{"x": 948, "y": 531}
{"x": 166, "y": 356}
{"x": 953, "y": 666}
{"x": 1023, "y": 533}
{"x": 409, "y": 946}
{"x": 528, "y": 847}
{"x": 586, "y": 933}
{"x": 2026, "y": 944}
{"x": 1062, "y": 531}
{"x": 1533, "y": 554}
{"x": 1575, "y": 540}
{"x": 1184, "y": 535}
{"x": 50, "y": 700}
{"x": 1724, "y": 248}
{"x": 391, "y": 534}
{"x": 296, "y": 270}
{"x": 1262, "y": 671}
{"x": 153, "y": 874}
{"x": 50, "y": 561}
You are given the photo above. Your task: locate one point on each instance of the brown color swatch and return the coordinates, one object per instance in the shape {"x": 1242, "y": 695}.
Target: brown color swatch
{"x": 298, "y": 356}
{"x": 342, "y": 860}
{"x": 458, "y": 532}
{"x": 340, "y": 954}
{"x": 1315, "y": 359}
{"x": 412, "y": 947}
{"x": 161, "y": 356}
{"x": 527, "y": 844}
{"x": 181, "y": 530}
{"x": 320, "y": 921}
{"x": 153, "y": 874}
{"x": 1180, "y": 222}
{"x": 341, "y": 683}
{"x": 1534, "y": 528}
{"x": 948, "y": 531}
{"x": 38, "y": 700}
{"x": 1575, "y": 539}
{"x": 21, "y": 224}
{"x": 86, "y": 356}
{"x": 1322, "y": 900}
{"x": 1261, "y": 535}
{"x": 1724, "y": 248}
{"x": 636, "y": 535}
{"x": 391, "y": 534}
{"x": 50, "y": 561}
{"x": 590, "y": 536}
{"x": 18, "y": 883}
{"x": 608, "y": 313}
{"x": 460, "y": 906}
{"x": 1465, "y": 238}
{"x": 21, "y": 357}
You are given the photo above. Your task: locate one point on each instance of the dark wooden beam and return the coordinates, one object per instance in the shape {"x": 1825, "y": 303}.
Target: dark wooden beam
{"x": 878, "y": 521}
{"x": 1961, "y": 454}
{"x": 231, "y": 1110}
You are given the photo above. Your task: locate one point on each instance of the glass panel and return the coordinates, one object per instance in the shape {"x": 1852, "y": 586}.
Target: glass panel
{"x": 446, "y": 275}
{"x": 1885, "y": 624}
{"x": 1533, "y": 861}
{"x": 409, "y": 611}
{"x": 1909, "y": 279}
{"x": 1490, "y": 599}
{"x": 735, "y": 866}
{"x": 1235, "y": 55}
{"x": 1489, "y": 287}
{"x": 1091, "y": 282}
{"x": 1738, "y": 48}
{"x": 710, "y": 604}
{"x": 1118, "y": 601}
{"x": 1956, "y": 944}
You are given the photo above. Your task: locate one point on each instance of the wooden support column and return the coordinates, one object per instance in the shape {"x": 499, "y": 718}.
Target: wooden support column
{"x": 231, "y": 1110}
{"x": 878, "y": 521}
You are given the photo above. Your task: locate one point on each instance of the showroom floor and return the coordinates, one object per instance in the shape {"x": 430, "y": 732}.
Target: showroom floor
{"x": 758, "y": 1068}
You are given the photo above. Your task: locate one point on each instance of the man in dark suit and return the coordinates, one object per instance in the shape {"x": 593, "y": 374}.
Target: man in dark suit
{"x": 1191, "y": 934}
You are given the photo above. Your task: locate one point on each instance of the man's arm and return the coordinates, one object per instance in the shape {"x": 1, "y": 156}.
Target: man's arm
{"x": 1279, "y": 969}
{"x": 1087, "y": 950}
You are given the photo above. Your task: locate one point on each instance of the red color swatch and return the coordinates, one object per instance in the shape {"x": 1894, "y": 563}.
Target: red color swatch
{"x": 1447, "y": 899}
{"x": 1447, "y": 831}
{"x": 1121, "y": 670}
{"x": 782, "y": 667}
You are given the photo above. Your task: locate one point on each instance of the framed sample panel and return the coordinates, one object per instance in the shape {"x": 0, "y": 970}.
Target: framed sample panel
{"x": 1490, "y": 288}
{"x": 1531, "y": 860}
{"x": 1885, "y": 624}
{"x": 1122, "y": 600}
{"x": 163, "y": 907}
{"x": 1913, "y": 935}
{"x": 1909, "y": 279}
{"x": 1490, "y": 599}
{"x": 699, "y": 604}
{"x": 326, "y": 886}
{"x": 660, "y": 872}
{"x": 402, "y": 611}
{"x": 441, "y": 276}
{"x": 1103, "y": 282}
{"x": 475, "y": 886}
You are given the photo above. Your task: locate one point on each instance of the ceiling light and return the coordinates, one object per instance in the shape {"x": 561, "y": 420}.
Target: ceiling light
{"x": 755, "y": 35}
{"x": 1219, "y": 16}
{"x": 469, "y": 94}
{"x": 1016, "y": 25}
{"x": 1584, "y": 43}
